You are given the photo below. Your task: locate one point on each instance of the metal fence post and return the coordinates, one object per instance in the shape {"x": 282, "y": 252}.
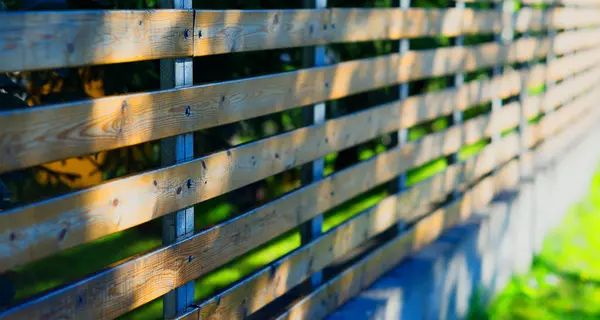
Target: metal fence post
{"x": 174, "y": 73}
{"x": 505, "y": 37}
{"x": 524, "y": 93}
{"x": 403, "y": 90}
{"x": 457, "y": 115}
{"x": 313, "y": 171}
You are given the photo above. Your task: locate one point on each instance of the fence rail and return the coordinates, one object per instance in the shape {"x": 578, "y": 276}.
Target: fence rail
{"x": 96, "y": 125}
{"x": 30, "y": 137}
{"x": 67, "y": 39}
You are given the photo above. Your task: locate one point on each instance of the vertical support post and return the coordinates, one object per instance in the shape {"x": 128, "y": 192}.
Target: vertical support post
{"x": 313, "y": 171}
{"x": 571, "y": 52}
{"x": 402, "y": 47}
{"x": 524, "y": 241}
{"x": 551, "y": 56}
{"x": 459, "y": 80}
{"x": 543, "y": 209}
{"x": 506, "y": 9}
{"x": 539, "y": 174}
{"x": 523, "y": 94}
{"x": 178, "y": 225}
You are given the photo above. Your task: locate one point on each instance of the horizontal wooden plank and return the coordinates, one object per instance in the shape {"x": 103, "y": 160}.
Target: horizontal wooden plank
{"x": 560, "y": 93}
{"x": 362, "y": 274}
{"x": 559, "y": 119}
{"x": 153, "y": 275}
{"x": 280, "y": 277}
{"x": 185, "y": 253}
{"x": 34, "y": 228}
{"x": 547, "y": 151}
{"x": 579, "y": 3}
{"x": 83, "y": 294}
{"x": 531, "y": 19}
{"x": 57, "y": 39}
{"x": 74, "y": 129}
{"x": 412, "y": 111}
{"x": 537, "y": 133}
{"x": 506, "y": 177}
{"x": 562, "y": 67}
{"x": 568, "y": 89}
{"x": 565, "y": 41}
{"x": 74, "y": 299}
{"x": 50, "y": 39}
{"x": 565, "y": 18}
{"x": 108, "y": 207}
{"x": 242, "y": 30}
{"x": 227, "y": 305}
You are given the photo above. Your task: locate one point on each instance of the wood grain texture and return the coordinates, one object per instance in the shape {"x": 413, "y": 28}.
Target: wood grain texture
{"x": 47, "y": 227}
{"x": 530, "y": 19}
{"x": 566, "y": 18}
{"x": 47, "y": 40}
{"x": 547, "y": 151}
{"x": 579, "y": 3}
{"x": 565, "y": 41}
{"x": 568, "y": 89}
{"x": 242, "y": 30}
{"x": 184, "y": 255}
{"x": 554, "y": 122}
{"x": 550, "y": 124}
{"x": 416, "y": 109}
{"x": 141, "y": 280}
{"x": 273, "y": 281}
{"x": 560, "y": 93}
{"x": 561, "y": 68}
{"x": 364, "y": 272}
{"x": 91, "y": 213}
{"x": 34, "y": 136}
{"x": 228, "y": 31}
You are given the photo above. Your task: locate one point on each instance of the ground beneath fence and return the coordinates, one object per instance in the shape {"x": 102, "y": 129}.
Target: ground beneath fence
{"x": 564, "y": 281}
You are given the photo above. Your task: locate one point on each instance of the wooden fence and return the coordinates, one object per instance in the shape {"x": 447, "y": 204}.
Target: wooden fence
{"x": 563, "y": 56}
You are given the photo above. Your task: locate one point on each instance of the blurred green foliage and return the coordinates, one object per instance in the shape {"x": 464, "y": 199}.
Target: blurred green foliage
{"x": 564, "y": 281}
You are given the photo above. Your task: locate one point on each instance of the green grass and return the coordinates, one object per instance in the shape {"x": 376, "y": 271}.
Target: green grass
{"x": 472, "y": 149}
{"x": 72, "y": 264}
{"x": 208, "y": 285}
{"x": 564, "y": 281}
{"x": 429, "y": 169}
{"x": 212, "y": 212}
{"x": 219, "y": 279}
{"x": 536, "y": 89}
{"x": 351, "y": 208}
